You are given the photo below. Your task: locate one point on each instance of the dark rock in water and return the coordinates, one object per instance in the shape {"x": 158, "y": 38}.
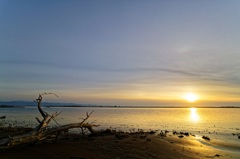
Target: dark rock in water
{"x": 206, "y": 138}
{"x": 175, "y": 132}
{"x": 186, "y": 134}
{"x": 217, "y": 155}
{"x": 181, "y": 136}
{"x": 2, "y": 117}
{"x": 166, "y": 131}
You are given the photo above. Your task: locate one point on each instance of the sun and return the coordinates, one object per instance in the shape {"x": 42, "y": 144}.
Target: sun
{"x": 191, "y": 97}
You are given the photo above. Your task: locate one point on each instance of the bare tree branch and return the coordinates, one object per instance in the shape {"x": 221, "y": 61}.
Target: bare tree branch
{"x": 41, "y": 132}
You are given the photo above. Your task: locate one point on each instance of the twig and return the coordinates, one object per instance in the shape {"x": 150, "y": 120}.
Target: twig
{"x": 49, "y": 94}
{"x": 151, "y": 154}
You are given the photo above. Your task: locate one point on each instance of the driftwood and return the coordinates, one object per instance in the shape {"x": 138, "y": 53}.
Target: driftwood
{"x": 41, "y": 132}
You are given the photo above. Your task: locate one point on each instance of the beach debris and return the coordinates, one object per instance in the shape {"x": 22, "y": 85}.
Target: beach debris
{"x": 206, "y": 138}
{"x": 3, "y": 117}
{"x": 151, "y": 154}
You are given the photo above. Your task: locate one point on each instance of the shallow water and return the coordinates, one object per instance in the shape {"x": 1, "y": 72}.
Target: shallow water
{"x": 217, "y": 123}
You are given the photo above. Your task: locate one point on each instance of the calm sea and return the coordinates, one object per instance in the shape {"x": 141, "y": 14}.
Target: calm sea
{"x": 217, "y": 123}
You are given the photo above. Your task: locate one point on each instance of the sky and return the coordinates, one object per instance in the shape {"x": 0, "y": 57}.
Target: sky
{"x": 128, "y": 52}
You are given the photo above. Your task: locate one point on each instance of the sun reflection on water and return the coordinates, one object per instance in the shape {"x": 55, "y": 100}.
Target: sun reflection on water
{"x": 194, "y": 115}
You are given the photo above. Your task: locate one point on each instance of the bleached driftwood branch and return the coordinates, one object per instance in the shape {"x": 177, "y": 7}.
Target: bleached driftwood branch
{"x": 41, "y": 132}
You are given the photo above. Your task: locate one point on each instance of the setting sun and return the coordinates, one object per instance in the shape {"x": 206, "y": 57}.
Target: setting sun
{"x": 191, "y": 97}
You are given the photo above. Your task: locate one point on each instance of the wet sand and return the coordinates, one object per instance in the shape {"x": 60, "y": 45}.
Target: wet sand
{"x": 126, "y": 146}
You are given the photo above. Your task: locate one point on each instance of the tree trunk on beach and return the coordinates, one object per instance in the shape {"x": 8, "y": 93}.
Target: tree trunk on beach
{"x": 41, "y": 131}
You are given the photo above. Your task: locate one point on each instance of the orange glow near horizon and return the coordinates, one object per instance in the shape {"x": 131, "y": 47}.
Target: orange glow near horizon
{"x": 181, "y": 97}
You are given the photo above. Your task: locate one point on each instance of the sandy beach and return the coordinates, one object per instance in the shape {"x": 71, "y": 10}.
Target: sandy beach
{"x": 123, "y": 146}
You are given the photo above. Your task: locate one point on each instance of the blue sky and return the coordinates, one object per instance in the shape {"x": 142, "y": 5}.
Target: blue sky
{"x": 121, "y": 52}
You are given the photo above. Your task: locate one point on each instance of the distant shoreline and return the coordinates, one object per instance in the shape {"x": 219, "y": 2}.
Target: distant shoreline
{"x": 69, "y": 106}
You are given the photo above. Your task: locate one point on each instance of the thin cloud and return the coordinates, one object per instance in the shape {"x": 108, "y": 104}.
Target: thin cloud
{"x": 104, "y": 69}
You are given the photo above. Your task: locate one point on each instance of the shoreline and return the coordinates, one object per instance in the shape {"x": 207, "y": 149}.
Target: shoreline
{"x": 88, "y": 106}
{"x": 125, "y": 145}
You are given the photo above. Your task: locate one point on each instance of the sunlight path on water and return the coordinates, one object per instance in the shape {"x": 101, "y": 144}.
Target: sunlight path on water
{"x": 194, "y": 115}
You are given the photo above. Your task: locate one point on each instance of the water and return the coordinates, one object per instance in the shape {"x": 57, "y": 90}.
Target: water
{"x": 217, "y": 123}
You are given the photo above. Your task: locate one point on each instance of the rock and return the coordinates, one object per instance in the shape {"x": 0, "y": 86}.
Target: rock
{"x": 166, "y": 131}
{"x": 175, "y": 132}
{"x": 181, "y": 136}
{"x": 186, "y": 134}
{"x": 217, "y": 155}
{"x": 3, "y": 117}
{"x": 152, "y": 132}
{"x": 206, "y": 138}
